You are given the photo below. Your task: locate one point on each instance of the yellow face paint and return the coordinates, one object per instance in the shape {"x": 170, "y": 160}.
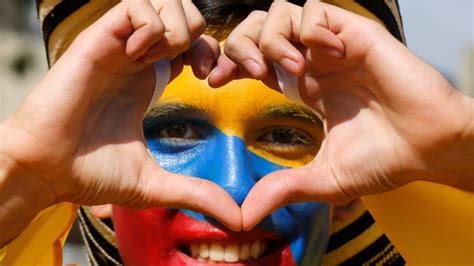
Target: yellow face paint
{"x": 241, "y": 109}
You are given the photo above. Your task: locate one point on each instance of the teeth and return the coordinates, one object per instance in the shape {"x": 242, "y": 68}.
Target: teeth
{"x": 255, "y": 250}
{"x": 217, "y": 253}
{"x": 263, "y": 248}
{"x": 245, "y": 252}
{"x": 203, "y": 250}
{"x": 231, "y": 253}
{"x": 195, "y": 250}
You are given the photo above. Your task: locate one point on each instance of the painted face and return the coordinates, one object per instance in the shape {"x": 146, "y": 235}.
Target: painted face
{"x": 232, "y": 136}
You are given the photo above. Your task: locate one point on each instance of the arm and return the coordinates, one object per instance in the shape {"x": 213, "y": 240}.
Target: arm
{"x": 78, "y": 136}
{"x": 22, "y": 197}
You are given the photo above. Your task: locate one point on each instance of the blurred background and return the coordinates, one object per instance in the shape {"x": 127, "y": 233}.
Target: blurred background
{"x": 439, "y": 31}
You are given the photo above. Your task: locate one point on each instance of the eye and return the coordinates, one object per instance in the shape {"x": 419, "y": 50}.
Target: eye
{"x": 177, "y": 131}
{"x": 283, "y": 136}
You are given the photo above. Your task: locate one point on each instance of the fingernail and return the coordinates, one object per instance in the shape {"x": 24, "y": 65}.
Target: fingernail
{"x": 253, "y": 68}
{"x": 213, "y": 73}
{"x": 289, "y": 65}
{"x": 333, "y": 52}
{"x": 207, "y": 66}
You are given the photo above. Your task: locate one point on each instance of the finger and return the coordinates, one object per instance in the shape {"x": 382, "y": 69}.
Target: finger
{"x": 196, "y": 22}
{"x": 281, "y": 27}
{"x": 225, "y": 71}
{"x": 148, "y": 26}
{"x": 242, "y": 46}
{"x": 177, "y": 36}
{"x": 284, "y": 187}
{"x": 202, "y": 55}
{"x": 171, "y": 190}
{"x": 320, "y": 24}
{"x": 176, "y": 67}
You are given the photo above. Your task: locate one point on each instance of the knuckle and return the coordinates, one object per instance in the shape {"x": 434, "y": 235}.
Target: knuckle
{"x": 312, "y": 4}
{"x": 231, "y": 45}
{"x": 281, "y": 7}
{"x": 156, "y": 27}
{"x": 307, "y": 35}
{"x": 179, "y": 42}
{"x": 277, "y": 5}
{"x": 197, "y": 25}
{"x": 257, "y": 15}
{"x": 266, "y": 43}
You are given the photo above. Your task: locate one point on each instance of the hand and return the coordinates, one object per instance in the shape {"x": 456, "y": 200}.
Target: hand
{"x": 389, "y": 117}
{"x": 78, "y": 136}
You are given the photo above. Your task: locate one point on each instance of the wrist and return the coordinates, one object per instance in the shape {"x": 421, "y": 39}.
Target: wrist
{"x": 454, "y": 164}
{"x": 22, "y": 196}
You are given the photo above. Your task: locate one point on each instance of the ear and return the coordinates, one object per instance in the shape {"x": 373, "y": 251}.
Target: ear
{"x": 102, "y": 211}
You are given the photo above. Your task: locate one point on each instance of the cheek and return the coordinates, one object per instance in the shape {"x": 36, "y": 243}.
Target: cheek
{"x": 140, "y": 234}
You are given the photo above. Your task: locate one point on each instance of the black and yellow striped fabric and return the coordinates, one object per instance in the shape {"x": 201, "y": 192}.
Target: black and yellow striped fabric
{"x": 356, "y": 241}
{"x": 62, "y": 20}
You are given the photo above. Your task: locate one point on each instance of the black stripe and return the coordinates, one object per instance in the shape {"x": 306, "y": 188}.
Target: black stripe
{"x": 389, "y": 257}
{"x": 59, "y": 13}
{"x": 369, "y": 252}
{"x": 397, "y": 260}
{"x": 350, "y": 232}
{"x": 383, "y": 12}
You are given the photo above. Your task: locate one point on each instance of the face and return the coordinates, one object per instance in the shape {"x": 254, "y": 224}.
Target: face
{"x": 232, "y": 136}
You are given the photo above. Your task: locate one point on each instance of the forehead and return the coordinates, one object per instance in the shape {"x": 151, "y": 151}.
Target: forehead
{"x": 239, "y": 102}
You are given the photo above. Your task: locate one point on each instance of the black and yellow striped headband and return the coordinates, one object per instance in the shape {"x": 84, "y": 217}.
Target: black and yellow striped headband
{"x": 62, "y": 20}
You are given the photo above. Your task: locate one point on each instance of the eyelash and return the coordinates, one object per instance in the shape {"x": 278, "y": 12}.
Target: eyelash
{"x": 302, "y": 138}
{"x": 299, "y": 138}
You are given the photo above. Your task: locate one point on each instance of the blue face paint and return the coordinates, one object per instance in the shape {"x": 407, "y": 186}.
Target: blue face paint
{"x": 226, "y": 161}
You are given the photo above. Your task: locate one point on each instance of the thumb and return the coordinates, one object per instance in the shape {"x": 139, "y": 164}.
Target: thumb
{"x": 280, "y": 188}
{"x": 164, "y": 189}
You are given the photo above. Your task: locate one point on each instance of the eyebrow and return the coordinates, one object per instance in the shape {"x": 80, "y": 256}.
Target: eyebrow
{"x": 168, "y": 109}
{"x": 297, "y": 112}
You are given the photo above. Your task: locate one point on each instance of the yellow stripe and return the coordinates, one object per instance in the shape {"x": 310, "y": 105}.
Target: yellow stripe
{"x": 67, "y": 30}
{"x": 353, "y": 247}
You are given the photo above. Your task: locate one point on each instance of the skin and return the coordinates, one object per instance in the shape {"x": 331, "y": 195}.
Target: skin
{"x": 51, "y": 146}
{"x": 378, "y": 110}
{"x": 228, "y": 138}
{"x": 54, "y": 147}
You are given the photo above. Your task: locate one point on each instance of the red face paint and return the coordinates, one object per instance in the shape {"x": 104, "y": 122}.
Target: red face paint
{"x": 163, "y": 237}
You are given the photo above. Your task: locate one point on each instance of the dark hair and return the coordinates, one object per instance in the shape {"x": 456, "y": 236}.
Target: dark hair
{"x": 223, "y": 15}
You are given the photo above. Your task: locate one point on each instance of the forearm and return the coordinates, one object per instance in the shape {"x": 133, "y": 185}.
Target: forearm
{"x": 22, "y": 196}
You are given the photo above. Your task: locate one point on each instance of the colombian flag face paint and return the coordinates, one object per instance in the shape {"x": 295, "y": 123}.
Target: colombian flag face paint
{"x": 232, "y": 136}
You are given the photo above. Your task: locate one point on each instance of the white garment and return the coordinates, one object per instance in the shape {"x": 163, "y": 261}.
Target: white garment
{"x": 162, "y": 78}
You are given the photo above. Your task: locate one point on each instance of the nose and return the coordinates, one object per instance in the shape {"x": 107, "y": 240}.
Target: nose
{"x": 231, "y": 167}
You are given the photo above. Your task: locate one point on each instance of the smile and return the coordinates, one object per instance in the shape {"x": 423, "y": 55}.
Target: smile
{"x": 215, "y": 252}
{"x": 192, "y": 242}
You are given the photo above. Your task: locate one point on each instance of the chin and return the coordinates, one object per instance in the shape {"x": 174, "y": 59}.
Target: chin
{"x": 170, "y": 237}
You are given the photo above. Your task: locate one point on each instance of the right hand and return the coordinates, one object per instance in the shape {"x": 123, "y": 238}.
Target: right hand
{"x": 78, "y": 136}
{"x": 389, "y": 117}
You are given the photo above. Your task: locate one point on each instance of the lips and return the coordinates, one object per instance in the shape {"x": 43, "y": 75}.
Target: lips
{"x": 173, "y": 238}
